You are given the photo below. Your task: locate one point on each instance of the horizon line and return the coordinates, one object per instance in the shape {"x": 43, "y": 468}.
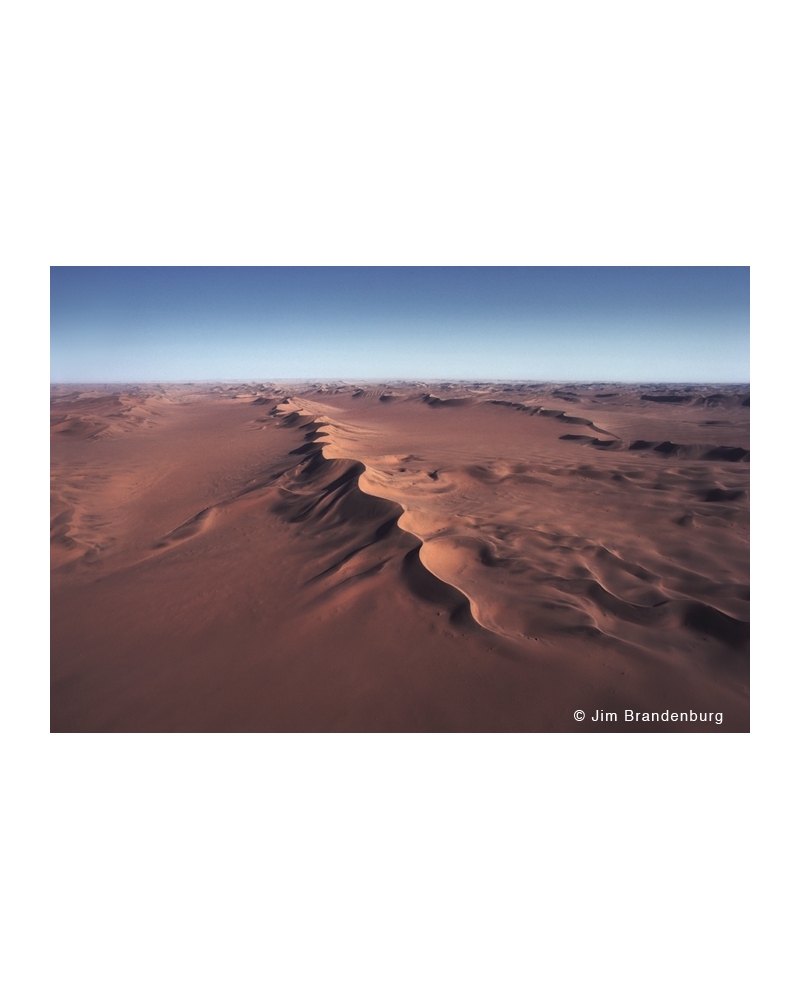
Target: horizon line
{"x": 400, "y": 381}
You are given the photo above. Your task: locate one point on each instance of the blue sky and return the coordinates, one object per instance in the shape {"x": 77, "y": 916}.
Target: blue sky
{"x": 573, "y": 324}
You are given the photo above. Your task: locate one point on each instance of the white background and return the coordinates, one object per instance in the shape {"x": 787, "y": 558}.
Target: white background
{"x": 422, "y": 133}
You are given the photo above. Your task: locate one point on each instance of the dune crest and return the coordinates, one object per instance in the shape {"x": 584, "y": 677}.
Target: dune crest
{"x": 507, "y": 572}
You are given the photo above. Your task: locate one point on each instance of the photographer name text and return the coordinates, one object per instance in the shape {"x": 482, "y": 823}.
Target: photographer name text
{"x": 629, "y": 715}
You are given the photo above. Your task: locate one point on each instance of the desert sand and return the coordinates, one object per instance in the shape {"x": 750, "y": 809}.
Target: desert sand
{"x": 405, "y": 557}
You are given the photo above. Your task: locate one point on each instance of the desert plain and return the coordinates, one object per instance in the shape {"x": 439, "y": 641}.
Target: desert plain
{"x": 399, "y": 557}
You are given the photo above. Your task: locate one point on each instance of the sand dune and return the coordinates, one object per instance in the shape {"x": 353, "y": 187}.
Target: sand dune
{"x": 398, "y": 557}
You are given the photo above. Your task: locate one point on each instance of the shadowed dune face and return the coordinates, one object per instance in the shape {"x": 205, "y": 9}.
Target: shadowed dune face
{"x": 398, "y": 557}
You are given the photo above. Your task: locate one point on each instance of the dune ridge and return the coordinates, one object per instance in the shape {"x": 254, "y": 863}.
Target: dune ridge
{"x": 585, "y": 605}
{"x": 327, "y": 489}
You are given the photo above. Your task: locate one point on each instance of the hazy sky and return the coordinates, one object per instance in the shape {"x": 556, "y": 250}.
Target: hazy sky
{"x": 671, "y": 324}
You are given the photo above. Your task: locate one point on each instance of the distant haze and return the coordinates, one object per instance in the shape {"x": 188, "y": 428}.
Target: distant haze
{"x": 638, "y": 324}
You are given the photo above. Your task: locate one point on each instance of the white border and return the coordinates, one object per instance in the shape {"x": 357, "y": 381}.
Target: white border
{"x": 428, "y": 134}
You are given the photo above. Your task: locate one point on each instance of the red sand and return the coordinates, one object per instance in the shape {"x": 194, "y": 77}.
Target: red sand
{"x": 408, "y": 557}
